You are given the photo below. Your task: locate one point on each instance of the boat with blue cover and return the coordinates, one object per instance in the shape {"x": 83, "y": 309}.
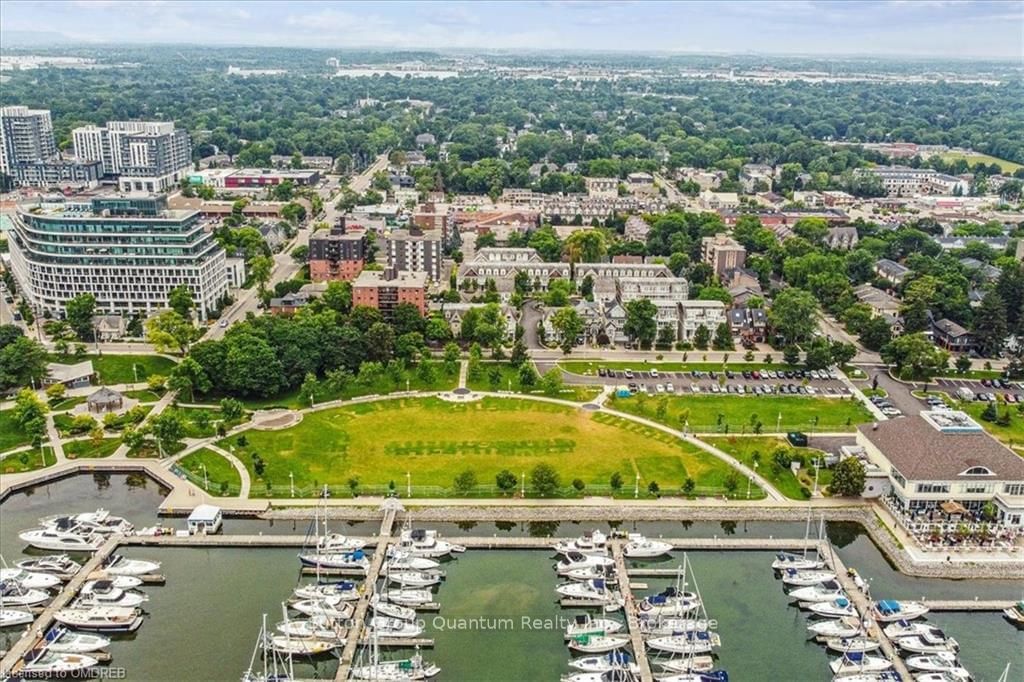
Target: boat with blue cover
{"x": 890, "y": 610}
{"x": 610, "y": 661}
{"x": 355, "y": 560}
{"x": 695, "y": 642}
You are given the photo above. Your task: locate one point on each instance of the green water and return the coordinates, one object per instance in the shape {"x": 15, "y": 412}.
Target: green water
{"x": 203, "y": 623}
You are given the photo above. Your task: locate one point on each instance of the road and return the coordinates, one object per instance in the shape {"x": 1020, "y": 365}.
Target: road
{"x": 673, "y": 195}
{"x": 360, "y": 183}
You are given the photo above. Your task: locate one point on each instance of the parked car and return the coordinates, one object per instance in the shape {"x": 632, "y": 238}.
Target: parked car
{"x": 654, "y": 374}
{"x": 694, "y": 388}
{"x": 602, "y": 372}
{"x": 660, "y": 388}
{"x": 669, "y": 388}
{"x": 628, "y": 374}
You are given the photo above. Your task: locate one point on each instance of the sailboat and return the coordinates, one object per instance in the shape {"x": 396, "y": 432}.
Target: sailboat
{"x": 855, "y": 663}
{"x": 413, "y": 668}
{"x": 598, "y": 643}
{"x": 801, "y": 562}
{"x": 688, "y": 664}
{"x": 613, "y": 660}
{"x": 406, "y": 596}
{"x": 844, "y": 645}
{"x": 383, "y": 608}
{"x": 314, "y": 627}
{"x": 587, "y": 624}
{"x": 826, "y": 591}
{"x": 344, "y": 590}
{"x": 277, "y": 667}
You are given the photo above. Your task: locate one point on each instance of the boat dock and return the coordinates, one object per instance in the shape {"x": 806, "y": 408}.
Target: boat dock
{"x": 356, "y": 635}
{"x": 629, "y": 608}
{"x": 968, "y": 604}
{"x": 862, "y": 603}
{"x": 222, "y": 540}
{"x": 13, "y": 658}
{"x": 713, "y": 543}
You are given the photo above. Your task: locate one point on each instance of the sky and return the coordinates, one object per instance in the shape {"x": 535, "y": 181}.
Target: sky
{"x": 912, "y": 28}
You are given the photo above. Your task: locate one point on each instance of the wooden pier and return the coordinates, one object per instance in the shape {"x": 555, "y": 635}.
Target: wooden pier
{"x": 399, "y": 642}
{"x": 12, "y": 660}
{"x": 629, "y": 608}
{"x": 968, "y": 604}
{"x": 356, "y": 635}
{"x": 713, "y": 543}
{"x": 222, "y": 540}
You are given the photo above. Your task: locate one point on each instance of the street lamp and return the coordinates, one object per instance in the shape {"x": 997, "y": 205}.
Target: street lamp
{"x": 778, "y": 423}
{"x": 523, "y": 488}
{"x": 135, "y": 371}
{"x": 408, "y": 484}
{"x": 291, "y": 482}
{"x": 750, "y": 480}
{"x": 636, "y": 488}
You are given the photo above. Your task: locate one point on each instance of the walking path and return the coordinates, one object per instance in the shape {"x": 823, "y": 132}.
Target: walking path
{"x": 54, "y": 437}
{"x": 463, "y": 372}
{"x": 239, "y": 467}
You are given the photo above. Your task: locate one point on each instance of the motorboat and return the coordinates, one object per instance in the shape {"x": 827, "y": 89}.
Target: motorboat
{"x": 11, "y": 617}
{"x": 330, "y": 607}
{"x": 903, "y": 628}
{"x": 103, "y": 593}
{"x": 45, "y": 663}
{"x": 119, "y": 564}
{"x": 60, "y": 565}
{"x": 711, "y": 676}
{"x": 403, "y": 561}
{"x": 784, "y": 560}
{"x": 932, "y": 663}
{"x": 406, "y": 596}
{"x": 383, "y": 608}
{"x": 336, "y": 542}
{"x": 30, "y": 579}
{"x": 121, "y": 582}
{"x": 395, "y": 628}
{"x": 13, "y": 593}
{"x": 855, "y": 663}
{"x": 882, "y": 676}
{"x": 598, "y": 643}
{"x": 425, "y": 543}
{"x": 586, "y": 624}
{"x": 889, "y": 610}
{"x": 57, "y": 540}
{"x": 792, "y": 576}
{"x": 687, "y": 643}
{"x": 927, "y": 643}
{"x": 573, "y": 561}
{"x": 607, "y": 573}
{"x": 315, "y": 627}
{"x": 845, "y": 645}
{"x": 610, "y": 661}
{"x": 100, "y": 521}
{"x": 670, "y": 601}
{"x": 413, "y": 578}
{"x": 837, "y": 608}
{"x": 672, "y": 626}
{"x": 301, "y": 646}
{"x": 827, "y": 591}
{"x": 62, "y": 640}
{"x": 639, "y": 547}
{"x": 106, "y": 618}
{"x": 413, "y": 668}
{"x": 689, "y": 664}
{"x": 355, "y": 560}
{"x": 952, "y": 675}
{"x": 592, "y": 542}
{"x": 613, "y": 675}
{"x": 1015, "y": 614}
{"x": 592, "y": 590}
{"x": 842, "y": 627}
{"x": 344, "y": 589}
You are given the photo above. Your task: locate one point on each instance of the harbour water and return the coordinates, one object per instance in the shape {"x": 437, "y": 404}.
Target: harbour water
{"x": 203, "y": 623}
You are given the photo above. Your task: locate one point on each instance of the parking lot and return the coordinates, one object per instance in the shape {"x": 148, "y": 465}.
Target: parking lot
{"x": 747, "y": 382}
{"x": 983, "y": 389}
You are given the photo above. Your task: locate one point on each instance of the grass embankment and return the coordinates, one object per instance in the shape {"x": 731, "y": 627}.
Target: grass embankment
{"x": 118, "y": 369}
{"x": 507, "y": 378}
{"x": 86, "y": 449}
{"x": 30, "y": 460}
{"x": 763, "y": 449}
{"x": 221, "y": 474}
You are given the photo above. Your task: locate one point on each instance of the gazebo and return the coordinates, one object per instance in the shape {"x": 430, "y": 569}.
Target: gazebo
{"x": 105, "y": 400}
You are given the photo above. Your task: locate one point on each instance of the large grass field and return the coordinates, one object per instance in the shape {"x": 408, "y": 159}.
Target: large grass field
{"x": 972, "y": 159}
{"x": 11, "y": 435}
{"x": 378, "y": 443}
{"x": 589, "y": 367}
{"x": 85, "y": 449}
{"x": 117, "y": 369}
{"x": 762, "y": 449}
{"x": 740, "y": 414}
{"x": 508, "y": 376}
{"x": 1012, "y": 434}
{"x": 221, "y": 475}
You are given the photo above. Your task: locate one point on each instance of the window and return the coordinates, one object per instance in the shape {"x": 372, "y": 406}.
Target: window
{"x": 977, "y": 488}
{"x": 1013, "y": 488}
{"x": 933, "y": 487}
{"x": 978, "y": 471}
{"x": 898, "y": 477}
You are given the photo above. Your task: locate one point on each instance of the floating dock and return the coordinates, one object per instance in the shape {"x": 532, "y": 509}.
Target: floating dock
{"x": 629, "y": 608}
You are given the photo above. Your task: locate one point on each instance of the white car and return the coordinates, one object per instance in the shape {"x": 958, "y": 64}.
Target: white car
{"x": 695, "y": 388}
{"x": 654, "y": 374}
{"x": 669, "y": 388}
{"x": 223, "y": 323}
{"x": 660, "y": 388}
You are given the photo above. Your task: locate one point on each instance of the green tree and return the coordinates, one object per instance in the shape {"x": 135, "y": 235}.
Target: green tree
{"x": 848, "y": 478}
{"x": 169, "y": 330}
{"x": 701, "y": 337}
{"x": 641, "y": 326}
{"x": 519, "y": 354}
{"x": 29, "y": 414}
{"x": 919, "y": 298}
{"x": 723, "y": 337}
{"x": 190, "y": 375}
{"x": 915, "y": 357}
{"x": 168, "y": 429}
{"x": 544, "y": 479}
{"x": 338, "y": 297}
{"x": 527, "y": 376}
{"x": 876, "y": 333}
{"x": 310, "y": 387}
{"x": 465, "y": 482}
{"x": 260, "y": 268}
{"x": 793, "y": 315}
{"x": 79, "y": 312}
{"x": 963, "y": 364}
{"x": 231, "y": 408}
{"x": 506, "y": 481}
{"x": 689, "y": 485}
{"x": 990, "y": 326}
{"x": 22, "y": 362}
{"x": 551, "y": 383}
{"x": 181, "y": 301}
{"x": 451, "y": 358}
{"x": 615, "y": 482}
{"x": 569, "y": 325}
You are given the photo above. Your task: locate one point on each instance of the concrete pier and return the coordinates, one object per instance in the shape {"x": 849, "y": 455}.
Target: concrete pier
{"x": 968, "y": 605}
{"x": 356, "y": 633}
{"x": 629, "y": 608}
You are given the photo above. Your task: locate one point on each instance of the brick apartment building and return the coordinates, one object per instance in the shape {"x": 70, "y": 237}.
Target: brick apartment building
{"x": 336, "y": 255}
{"x": 385, "y": 289}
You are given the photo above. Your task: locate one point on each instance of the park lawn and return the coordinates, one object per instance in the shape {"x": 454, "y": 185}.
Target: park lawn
{"x": 11, "y": 435}
{"x": 193, "y": 422}
{"x": 1011, "y": 435}
{"x": 85, "y": 449}
{"x": 67, "y": 403}
{"x": 744, "y": 447}
{"x": 972, "y": 159}
{"x": 143, "y": 396}
{"x": 117, "y": 369}
{"x": 27, "y": 461}
{"x": 378, "y": 443}
{"x": 219, "y": 471}
{"x": 735, "y": 413}
{"x": 510, "y": 378}
{"x": 875, "y": 392}
{"x": 974, "y": 374}
{"x": 589, "y": 367}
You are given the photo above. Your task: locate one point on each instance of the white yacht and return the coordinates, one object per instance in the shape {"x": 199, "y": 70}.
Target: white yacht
{"x": 687, "y": 643}
{"x": 45, "y": 663}
{"x": 118, "y": 564}
{"x": 598, "y": 643}
{"x": 332, "y": 607}
{"x": 689, "y": 664}
{"x": 53, "y": 539}
{"x": 100, "y": 521}
{"x": 407, "y": 596}
{"x": 669, "y": 602}
{"x": 384, "y": 626}
{"x": 354, "y": 560}
{"x": 586, "y": 624}
{"x": 607, "y": 573}
{"x": 845, "y": 645}
{"x": 413, "y": 578}
{"x": 403, "y": 561}
{"x": 29, "y": 579}
{"x": 639, "y": 547}
{"x": 106, "y": 618}
{"x": 301, "y": 646}
{"x": 931, "y": 663}
{"x": 827, "y": 591}
{"x": 572, "y": 561}
{"x": 952, "y": 675}
{"x": 837, "y": 608}
{"x": 592, "y": 590}
{"x": 890, "y": 610}
{"x": 858, "y": 663}
{"x": 315, "y": 627}
{"x": 62, "y": 640}
{"x": 613, "y": 660}
{"x": 842, "y": 627}
{"x": 903, "y": 628}
{"x": 425, "y": 543}
{"x": 800, "y": 562}
{"x": 60, "y": 565}
{"x": 613, "y": 675}
{"x": 792, "y": 576}
{"x": 11, "y": 617}
{"x": 593, "y": 542}
{"x": 931, "y": 642}
{"x": 383, "y": 608}
{"x": 13, "y": 593}
{"x": 344, "y": 589}
{"x": 103, "y": 593}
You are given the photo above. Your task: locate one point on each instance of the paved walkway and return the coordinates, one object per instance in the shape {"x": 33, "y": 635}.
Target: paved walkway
{"x": 463, "y": 373}
{"x": 239, "y": 467}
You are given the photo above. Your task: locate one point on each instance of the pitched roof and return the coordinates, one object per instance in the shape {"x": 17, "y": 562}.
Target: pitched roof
{"x": 950, "y": 328}
{"x": 923, "y": 451}
{"x": 104, "y": 395}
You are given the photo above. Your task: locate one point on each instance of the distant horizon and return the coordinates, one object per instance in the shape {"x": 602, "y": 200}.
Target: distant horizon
{"x": 903, "y": 29}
